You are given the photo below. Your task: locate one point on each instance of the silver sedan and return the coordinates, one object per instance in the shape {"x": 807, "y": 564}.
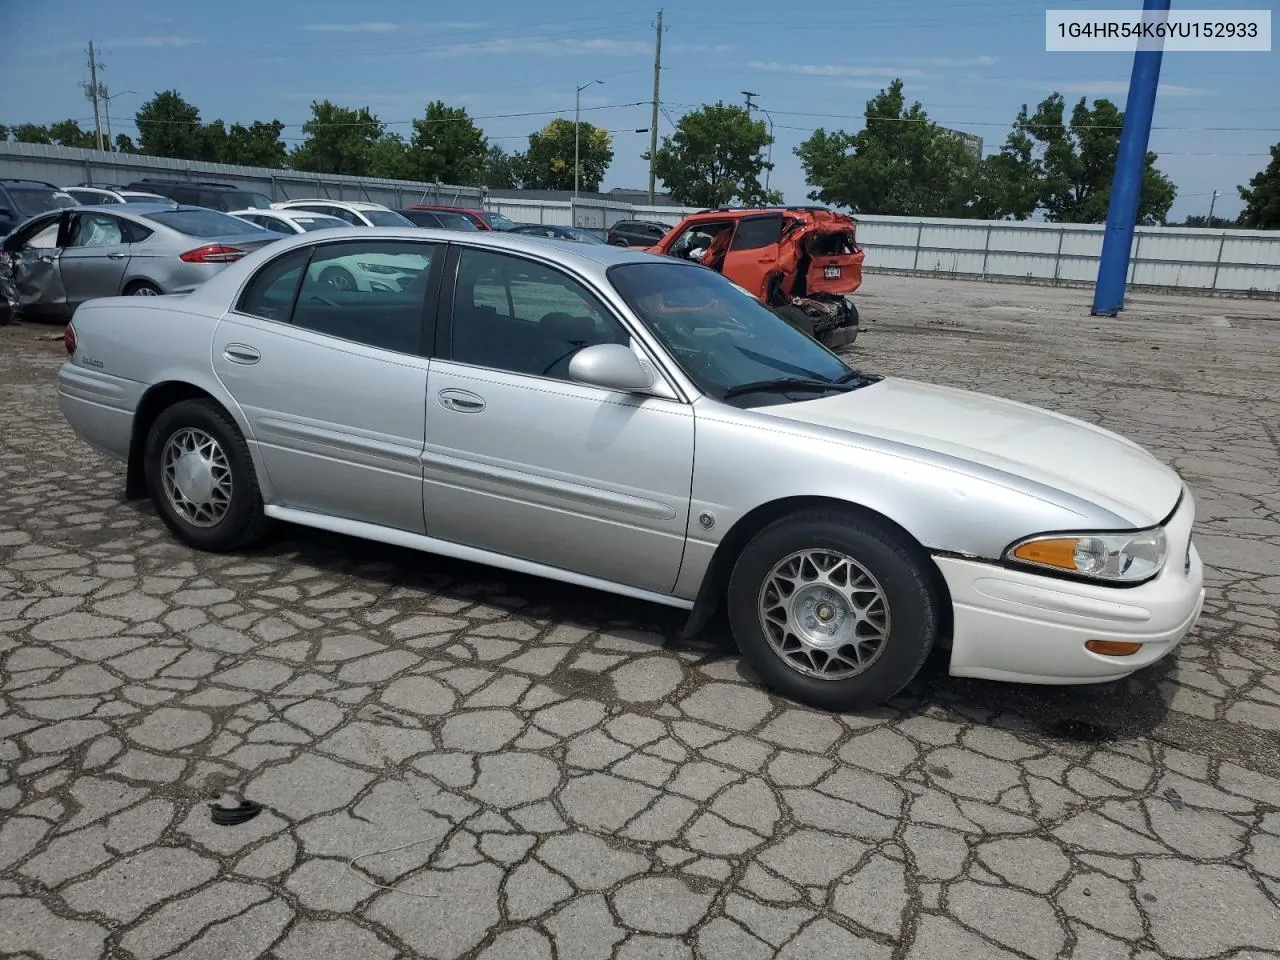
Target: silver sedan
{"x": 58, "y": 260}
{"x": 639, "y": 425}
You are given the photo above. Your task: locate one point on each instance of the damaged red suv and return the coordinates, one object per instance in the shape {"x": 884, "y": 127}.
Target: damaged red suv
{"x": 804, "y": 262}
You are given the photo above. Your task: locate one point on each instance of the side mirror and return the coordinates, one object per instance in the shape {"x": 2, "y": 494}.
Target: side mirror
{"x": 610, "y": 366}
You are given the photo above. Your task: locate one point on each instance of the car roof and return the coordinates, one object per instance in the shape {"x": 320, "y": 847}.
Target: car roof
{"x": 587, "y": 258}
{"x": 349, "y": 204}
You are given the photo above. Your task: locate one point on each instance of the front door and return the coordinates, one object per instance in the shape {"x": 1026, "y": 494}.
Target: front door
{"x": 523, "y": 461}
{"x": 95, "y": 257}
{"x": 332, "y": 379}
{"x": 34, "y": 283}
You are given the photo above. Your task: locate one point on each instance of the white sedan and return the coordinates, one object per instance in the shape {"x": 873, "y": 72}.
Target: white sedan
{"x": 640, "y": 425}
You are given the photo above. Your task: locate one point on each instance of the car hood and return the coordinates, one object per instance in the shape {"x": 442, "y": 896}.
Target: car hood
{"x": 1058, "y": 451}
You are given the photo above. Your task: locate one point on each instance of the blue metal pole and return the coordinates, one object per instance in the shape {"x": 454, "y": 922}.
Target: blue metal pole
{"x": 1126, "y": 186}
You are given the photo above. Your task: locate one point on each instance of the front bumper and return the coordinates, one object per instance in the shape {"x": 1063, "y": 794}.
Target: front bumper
{"x": 1024, "y": 627}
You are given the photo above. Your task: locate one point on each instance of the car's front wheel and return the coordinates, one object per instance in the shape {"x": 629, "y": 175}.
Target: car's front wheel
{"x": 202, "y": 479}
{"x": 832, "y": 610}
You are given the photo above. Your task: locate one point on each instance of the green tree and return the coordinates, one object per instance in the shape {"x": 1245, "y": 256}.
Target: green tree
{"x": 4, "y": 133}
{"x": 125, "y": 145}
{"x": 1262, "y": 197}
{"x": 339, "y": 140}
{"x": 715, "y": 156}
{"x": 257, "y": 145}
{"x": 389, "y": 157}
{"x": 1074, "y": 161}
{"x": 1215, "y": 223}
{"x": 32, "y": 133}
{"x": 548, "y": 162}
{"x": 447, "y": 146}
{"x": 500, "y": 169}
{"x": 1005, "y": 185}
{"x": 67, "y": 133}
{"x": 900, "y": 163}
{"x": 168, "y": 126}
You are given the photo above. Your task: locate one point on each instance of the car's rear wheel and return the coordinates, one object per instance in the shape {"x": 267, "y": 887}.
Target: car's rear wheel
{"x": 619, "y": 242}
{"x": 202, "y": 479}
{"x": 143, "y": 288}
{"x": 832, "y": 610}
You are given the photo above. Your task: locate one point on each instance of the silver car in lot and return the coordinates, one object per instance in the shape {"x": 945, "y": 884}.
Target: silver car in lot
{"x": 636, "y": 424}
{"x": 58, "y": 260}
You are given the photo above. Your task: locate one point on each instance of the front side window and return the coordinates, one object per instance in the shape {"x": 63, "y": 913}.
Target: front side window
{"x": 372, "y": 292}
{"x": 721, "y": 336}
{"x": 245, "y": 200}
{"x": 519, "y": 316}
{"x": 387, "y": 218}
{"x": 96, "y": 230}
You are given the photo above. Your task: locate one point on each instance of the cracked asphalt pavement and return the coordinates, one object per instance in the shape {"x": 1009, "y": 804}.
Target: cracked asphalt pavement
{"x": 458, "y": 762}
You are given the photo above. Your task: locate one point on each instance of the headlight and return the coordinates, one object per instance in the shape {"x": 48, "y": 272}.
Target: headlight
{"x": 377, "y": 268}
{"x": 1111, "y": 557}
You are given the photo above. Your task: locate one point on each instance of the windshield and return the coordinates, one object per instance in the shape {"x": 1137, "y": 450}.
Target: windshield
{"x": 320, "y": 223}
{"x": 387, "y": 218}
{"x": 247, "y": 199}
{"x": 202, "y": 223}
{"x": 721, "y": 336}
{"x": 33, "y": 200}
{"x": 499, "y": 222}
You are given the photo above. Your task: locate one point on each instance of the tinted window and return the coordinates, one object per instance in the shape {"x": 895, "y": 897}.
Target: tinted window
{"x": 755, "y": 232}
{"x": 30, "y": 200}
{"x": 214, "y": 201}
{"x": 245, "y": 200}
{"x": 386, "y": 218}
{"x": 370, "y": 291}
{"x": 516, "y": 315}
{"x": 456, "y": 221}
{"x": 90, "y": 197}
{"x": 719, "y": 334}
{"x": 421, "y": 218}
{"x": 270, "y": 292}
{"x": 96, "y": 230}
{"x": 201, "y": 223}
{"x": 186, "y": 195}
{"x": 272, "y": 224}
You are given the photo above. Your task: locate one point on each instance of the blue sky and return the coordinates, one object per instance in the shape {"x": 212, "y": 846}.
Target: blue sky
{"x": 972, "y": 63}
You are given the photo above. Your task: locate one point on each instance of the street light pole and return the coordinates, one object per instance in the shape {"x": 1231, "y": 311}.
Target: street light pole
{"x": 769, "y": 159}
{"x": 577, "y": 109}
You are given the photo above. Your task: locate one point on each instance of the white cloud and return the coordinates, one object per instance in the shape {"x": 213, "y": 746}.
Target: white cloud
{"x": 150, "y": 42}
{"x": 873, "y": 85}
{"x": 366, "y": 26}
{"x": 982, "y": 61}
{"x": 1106, "y": 88}
{"x": 832, "y": 69}
{"x": 599, "y": 46}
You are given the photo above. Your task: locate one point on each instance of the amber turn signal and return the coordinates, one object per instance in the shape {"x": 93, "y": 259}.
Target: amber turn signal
{"x": 1060, "y": 553}
{"x": 1112, "y": 648}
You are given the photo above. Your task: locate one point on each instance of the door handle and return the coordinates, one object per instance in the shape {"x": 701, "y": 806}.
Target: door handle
{"x": 241, "y": 353}
{"x": 116, "y": 256}
{"x": 460, "y": 401}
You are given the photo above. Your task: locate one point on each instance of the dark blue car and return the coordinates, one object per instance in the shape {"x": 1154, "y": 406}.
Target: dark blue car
{"x": 20, "y": 200}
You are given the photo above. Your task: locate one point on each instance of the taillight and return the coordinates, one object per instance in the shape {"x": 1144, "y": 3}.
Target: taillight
{"x": 213, "y": 253}
{"x": 69, "y": 339}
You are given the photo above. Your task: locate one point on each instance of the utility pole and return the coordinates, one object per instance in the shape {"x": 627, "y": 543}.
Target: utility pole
{"x": 1126, "y": 186}
{"x": 653, "y": 122}
{"x": 750, "y": 106}
{"x": 94, "y": 93}
{"x": 1212, "y": 200}
{"x": 769, "y": 160}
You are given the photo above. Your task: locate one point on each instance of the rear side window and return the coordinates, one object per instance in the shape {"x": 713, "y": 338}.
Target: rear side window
{"x": 270, "y": 293}
{"x": 756, "y": 232}
{"x": 186, "y": 195}
{"x": 201, "y": 223}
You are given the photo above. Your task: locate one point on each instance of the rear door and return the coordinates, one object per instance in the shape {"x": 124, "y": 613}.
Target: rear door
{"x": 333, "y": 382}
{"x": 94, "y": 260}
{"x": 753, "y": 253}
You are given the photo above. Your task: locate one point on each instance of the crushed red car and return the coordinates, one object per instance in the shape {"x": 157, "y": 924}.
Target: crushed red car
{"x": 803, "y": 262}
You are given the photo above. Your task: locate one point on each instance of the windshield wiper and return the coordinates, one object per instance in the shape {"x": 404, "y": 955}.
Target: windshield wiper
{"x": 783, "y": 384}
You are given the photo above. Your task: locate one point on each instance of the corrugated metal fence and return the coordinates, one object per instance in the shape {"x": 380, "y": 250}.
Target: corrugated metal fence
{"x": 1178, "y": 258}
{"x": 68, "y": 166}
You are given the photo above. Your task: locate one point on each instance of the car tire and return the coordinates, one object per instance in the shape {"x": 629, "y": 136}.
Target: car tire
{"x": 339, "y": 277}
{"x": 619, "y": 242}
{"x": 869, "y": 612}
{"x": 217, "y": 510}
{"x": 143, "y": 288}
